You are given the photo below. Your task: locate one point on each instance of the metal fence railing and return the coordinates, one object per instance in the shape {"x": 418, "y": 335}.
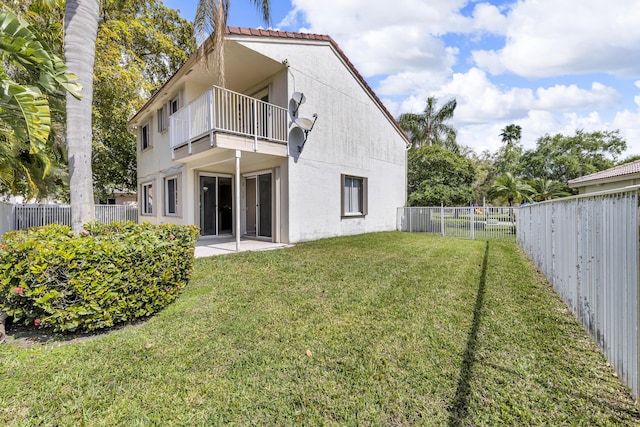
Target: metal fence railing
{"x": 27, "y": 216}
{"x": 481, "y": 223}
{"x": 219, "y": 109}
{"x": 588, "y": 248}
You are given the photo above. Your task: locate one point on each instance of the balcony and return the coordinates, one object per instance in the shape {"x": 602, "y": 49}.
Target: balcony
{"x": 219, "y": 111}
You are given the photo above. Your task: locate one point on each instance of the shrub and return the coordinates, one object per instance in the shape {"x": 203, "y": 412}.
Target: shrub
{"x": 108, "y": 274}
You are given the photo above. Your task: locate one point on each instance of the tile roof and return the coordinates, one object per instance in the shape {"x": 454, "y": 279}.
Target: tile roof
{"x": 620, "y": 170}
{"x": 319, "y": 37}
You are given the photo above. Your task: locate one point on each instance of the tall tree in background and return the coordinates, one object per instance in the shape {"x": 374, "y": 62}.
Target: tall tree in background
{"x": 507, "y": 157}
{"x": 511, "y": 134}
{"x": 211, "y": 18}
{"x": 485, "y": 175}
{"x": 80, "y": 29}
{"x": 140, "y": 44}
{"x": 430, "y": 127}
{"x": 436, "y": 176}
{"x": 562, "y": 158}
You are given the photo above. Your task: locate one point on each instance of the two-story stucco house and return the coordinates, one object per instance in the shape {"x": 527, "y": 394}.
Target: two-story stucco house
{"x": 253, "y": 159}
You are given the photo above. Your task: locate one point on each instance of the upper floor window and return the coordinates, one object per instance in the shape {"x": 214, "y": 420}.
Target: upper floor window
{"x": 174, "y": 105}
{"x": 354, "y": 195}
{"x": 167, "y": 110}
{"x": 163, "y": 118}
{"x": 145, "y": 137}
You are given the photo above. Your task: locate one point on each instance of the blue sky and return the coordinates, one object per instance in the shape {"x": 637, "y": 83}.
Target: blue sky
{"x": 550, "y": 66}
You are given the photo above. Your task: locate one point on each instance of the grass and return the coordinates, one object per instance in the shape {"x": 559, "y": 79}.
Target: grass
{"x": 381, "y": 329}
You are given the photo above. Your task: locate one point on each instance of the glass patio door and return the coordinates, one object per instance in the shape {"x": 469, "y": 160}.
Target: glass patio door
{"x": 216, "y": 205}
{"x": 259, "y": 205}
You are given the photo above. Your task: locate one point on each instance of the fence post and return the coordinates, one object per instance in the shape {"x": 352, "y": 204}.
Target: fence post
{"x": 442, "y": 219}
{"x": 410, "y": 225}
{"x": 636, "y": 387}
{"x": 212, "y": 124}
{"x": 473, "y": 227}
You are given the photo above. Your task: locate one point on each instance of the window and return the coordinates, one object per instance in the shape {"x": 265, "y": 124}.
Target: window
{"x": 165, "y": 111}
{"x": 147, "y": 199}
{"x": 174, "y": 105}
{"x": 354, "y": 195}
{"x": 163, "y": 118}
{"x": 171, "y": 196}
{"x": 145, "y": 137}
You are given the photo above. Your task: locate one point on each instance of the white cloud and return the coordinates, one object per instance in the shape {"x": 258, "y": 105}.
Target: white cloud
{"x": 479, "y": 100}
{"x": 412, "y": 48}
{"x": 487, "y": 17}
{"x": 561, "y": 97}
{"x": 396, "y": 49}
{"x": 404, "y": 37}
{"x": 352, "y": 17}
{"x": 555, "y": 37}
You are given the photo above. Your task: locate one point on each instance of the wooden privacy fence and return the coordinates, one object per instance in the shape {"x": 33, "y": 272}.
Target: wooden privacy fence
{"x": 482, "y": 223}
{"x": 26, "y": 216}
{"x": 588, "y": 248}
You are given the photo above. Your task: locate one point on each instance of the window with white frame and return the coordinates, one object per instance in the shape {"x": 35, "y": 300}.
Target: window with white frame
{"x": 354, "y": 195}
{"x": 171, "y": 196}
{"x": 163, "y": 118}
{"x": 174, "y": 105}
{"x": 145, "y": 136}
{"x": 147, "y": 198}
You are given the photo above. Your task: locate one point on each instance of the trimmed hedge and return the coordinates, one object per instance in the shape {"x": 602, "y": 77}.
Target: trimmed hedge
{"x": 107, "y": 275}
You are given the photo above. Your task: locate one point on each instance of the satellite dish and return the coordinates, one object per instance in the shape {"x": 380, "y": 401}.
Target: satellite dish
{"x": 298, "y": 97}
{"x": 304, "y": 123}
{"x": 296, "y": 139}
{"x": 293, "y": 109}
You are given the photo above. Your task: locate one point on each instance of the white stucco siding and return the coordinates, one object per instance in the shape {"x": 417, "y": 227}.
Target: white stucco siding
{"x": 352, "y": 136}
{"x": 154, "y": 165}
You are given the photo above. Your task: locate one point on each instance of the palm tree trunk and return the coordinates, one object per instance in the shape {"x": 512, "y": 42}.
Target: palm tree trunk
{"x": 80, "y": 28}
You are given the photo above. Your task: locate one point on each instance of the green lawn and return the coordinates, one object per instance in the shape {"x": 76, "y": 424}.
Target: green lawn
{"x": 381, "y": 329}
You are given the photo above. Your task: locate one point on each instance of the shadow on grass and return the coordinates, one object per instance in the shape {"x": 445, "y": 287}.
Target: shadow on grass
{"x": 459, "y": 410}
{"x": 28, "y": 336}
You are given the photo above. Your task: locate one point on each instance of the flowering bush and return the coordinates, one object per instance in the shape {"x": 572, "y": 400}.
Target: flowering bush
{"x": 106, "y": 275}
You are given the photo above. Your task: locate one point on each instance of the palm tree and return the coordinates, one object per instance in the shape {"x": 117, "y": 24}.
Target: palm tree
{"x": 511, "y": 189}
{"x": 81, "y": 29}
{"x": 211, "y": 18}
{"x": 546, "y": 189}
{"x": 511, "y": 134}
{"x": 430, "y": 127}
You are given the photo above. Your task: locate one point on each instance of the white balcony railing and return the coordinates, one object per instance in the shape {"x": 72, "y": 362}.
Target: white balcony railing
{"x": 222, "y": 110}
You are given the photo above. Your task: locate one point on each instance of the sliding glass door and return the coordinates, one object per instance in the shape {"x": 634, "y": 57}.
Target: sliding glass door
{"x": 259, "y": 205}
{"x": 216, "y": 205}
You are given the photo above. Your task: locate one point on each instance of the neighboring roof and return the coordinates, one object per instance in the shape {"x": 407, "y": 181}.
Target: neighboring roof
{"x": 617, "y": 171}
{"x": 238, "y": 31}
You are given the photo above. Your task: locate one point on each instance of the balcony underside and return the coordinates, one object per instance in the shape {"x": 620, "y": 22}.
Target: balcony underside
{"x": 203, "y": 146}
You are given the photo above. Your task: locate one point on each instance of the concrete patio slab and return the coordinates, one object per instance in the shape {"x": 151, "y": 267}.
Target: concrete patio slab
{"x": 209, "y": 246}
